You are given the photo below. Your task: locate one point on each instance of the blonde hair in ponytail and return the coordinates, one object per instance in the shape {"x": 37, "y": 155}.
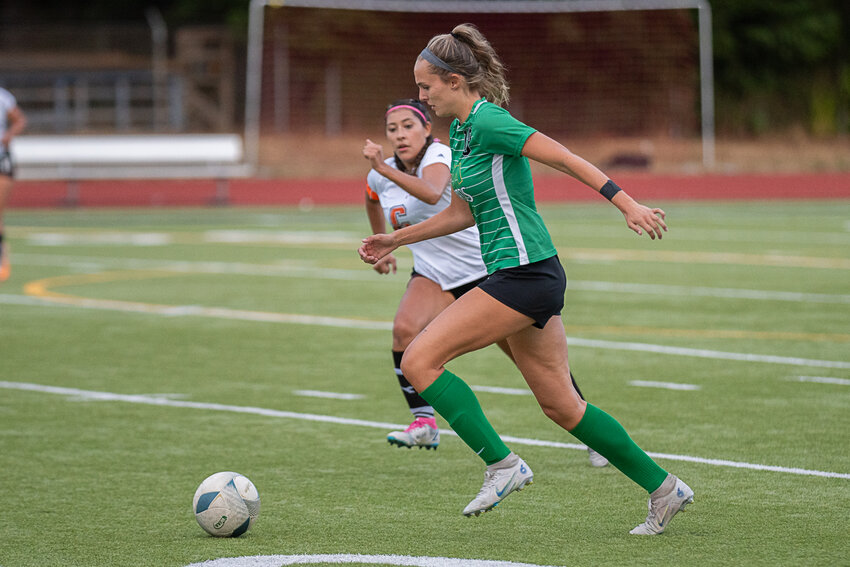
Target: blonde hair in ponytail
{"x": 471, "y": 56}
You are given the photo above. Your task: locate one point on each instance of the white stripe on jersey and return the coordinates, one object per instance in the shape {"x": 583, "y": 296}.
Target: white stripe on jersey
{"x": 507, "y": 207}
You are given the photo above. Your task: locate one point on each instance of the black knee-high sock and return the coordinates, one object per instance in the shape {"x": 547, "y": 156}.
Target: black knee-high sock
{"x": 418, "y": 406}
{"x": 575, "y": 385}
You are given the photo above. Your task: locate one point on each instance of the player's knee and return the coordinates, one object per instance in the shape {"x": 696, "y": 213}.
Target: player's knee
{"x": 409, "y": 365}
{"x": 415, "y": 368}
{"x": 565, "y": 413}
{"x": 552, "y": 411}
{"x": 404, "y": 331}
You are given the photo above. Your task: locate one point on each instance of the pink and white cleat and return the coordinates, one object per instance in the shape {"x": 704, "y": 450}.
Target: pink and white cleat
{"x": 422, "y": 432}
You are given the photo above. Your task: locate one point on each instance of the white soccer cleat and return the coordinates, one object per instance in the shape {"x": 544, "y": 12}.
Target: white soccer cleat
{"x": 671, "y": 497}
{"x": 422, "y": 432}
{"x": 596, "y": 459}
{"x": 498, "y": 484}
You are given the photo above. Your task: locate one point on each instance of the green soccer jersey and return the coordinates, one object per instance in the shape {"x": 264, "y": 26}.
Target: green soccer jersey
{"x": 489, "y": 173}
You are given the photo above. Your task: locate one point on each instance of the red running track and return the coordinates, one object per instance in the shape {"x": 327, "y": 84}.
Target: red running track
{"x": 254, "y": 192}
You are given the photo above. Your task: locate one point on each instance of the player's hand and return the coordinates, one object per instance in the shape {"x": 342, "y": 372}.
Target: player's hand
{"x": 376, "y": 247}
{"x": 385, "y": 265}
{"x": 374, "y": 153}
{"x": 639, "y": 217}
{"x": 650, "y": 220}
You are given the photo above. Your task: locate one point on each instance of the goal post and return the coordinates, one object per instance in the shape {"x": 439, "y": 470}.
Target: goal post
{"x": 642, "y": 46}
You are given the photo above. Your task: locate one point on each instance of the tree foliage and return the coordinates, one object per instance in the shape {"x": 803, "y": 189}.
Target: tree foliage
{"x": 777, "y": 63}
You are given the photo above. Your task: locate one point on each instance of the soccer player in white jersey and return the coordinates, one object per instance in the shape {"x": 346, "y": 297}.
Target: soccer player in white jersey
{"x": 459, "y": 75}
{"x": 407, "y": 188}
{"x": 12, "y": 123}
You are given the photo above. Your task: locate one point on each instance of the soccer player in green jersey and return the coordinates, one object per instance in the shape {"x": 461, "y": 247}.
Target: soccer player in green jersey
{"x": 459, "y": 75}
{"x": 410, "y": 187}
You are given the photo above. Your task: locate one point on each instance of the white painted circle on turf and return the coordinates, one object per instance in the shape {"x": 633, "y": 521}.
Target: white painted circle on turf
{"x": 404, "y": 560}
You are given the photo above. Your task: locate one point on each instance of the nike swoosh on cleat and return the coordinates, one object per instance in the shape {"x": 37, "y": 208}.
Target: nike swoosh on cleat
{"x": 663, "y": 517}
{"x": 505, "y": 487}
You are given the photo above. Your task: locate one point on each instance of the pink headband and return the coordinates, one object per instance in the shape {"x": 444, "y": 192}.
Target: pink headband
{"x": 413, "y": 108}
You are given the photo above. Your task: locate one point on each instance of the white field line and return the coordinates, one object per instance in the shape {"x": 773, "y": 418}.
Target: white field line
{"x": 665, "y": 385}
{"x": 350, "y": 239}
{"x": 300, "y": 269}
{"x": 358, "y": 559}
{"x": 163, "y": 401}
{"x": 198, "y": 311}
{"x": 329, "y": 395}
{"x": 272, "y": 234}
{"x": 289, "y": 318}
{"x": 741, "y": 259}
{"x": 125, "y": 238}
{"x": 281, "y": 237}
{"x": 704, "y": 353}
{"x": 824, "y": 380}
{"x": 498, "y": 390}
{"x": 100, "y": 239}
{"x": 287, "y": 268}
{"x": 91, "y": 395}
{"x": 749, "y": 235}
{"x": 716, "y": 292}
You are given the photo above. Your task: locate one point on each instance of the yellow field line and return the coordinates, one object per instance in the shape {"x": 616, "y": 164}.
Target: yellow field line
{"x": 711, "y": 333}
{"x": 776, "y": 260}
{"x": 588, "y": 254}
{"x": 44, "y": 289}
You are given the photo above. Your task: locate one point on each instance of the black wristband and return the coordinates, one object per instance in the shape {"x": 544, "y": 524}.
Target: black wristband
{"x": 609, "y": 190}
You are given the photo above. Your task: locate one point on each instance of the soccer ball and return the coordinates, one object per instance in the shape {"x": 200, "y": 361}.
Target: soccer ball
{"x": 226, "y": 504}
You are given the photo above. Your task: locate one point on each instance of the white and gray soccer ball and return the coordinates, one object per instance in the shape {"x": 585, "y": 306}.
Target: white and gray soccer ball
{"x": 226, "y": 504}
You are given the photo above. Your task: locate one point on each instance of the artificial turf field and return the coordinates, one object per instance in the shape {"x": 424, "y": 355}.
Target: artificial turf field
{"x": 143, "y": 350}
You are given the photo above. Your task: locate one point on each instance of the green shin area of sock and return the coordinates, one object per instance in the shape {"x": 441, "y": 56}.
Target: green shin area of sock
{"x": 455, "y": 401}
{"x": 605, "y": 435}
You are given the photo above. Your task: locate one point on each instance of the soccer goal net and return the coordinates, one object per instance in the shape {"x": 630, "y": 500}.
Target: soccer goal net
{"x": 580, "y": 69}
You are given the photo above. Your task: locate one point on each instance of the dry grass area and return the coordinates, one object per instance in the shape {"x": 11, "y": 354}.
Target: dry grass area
{"x": 317, "y": 156}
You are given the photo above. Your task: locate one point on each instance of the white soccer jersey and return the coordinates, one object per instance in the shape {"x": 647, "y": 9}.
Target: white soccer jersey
{"x": 451, "y": 260}
{"x": 7, "y": 103}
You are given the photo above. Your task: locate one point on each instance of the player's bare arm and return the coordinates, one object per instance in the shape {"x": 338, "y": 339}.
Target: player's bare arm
{"x": 547, "y": 151}
{"x": 453, "y": 218}
{"x": 428, "y": 188}
{"x": 375, "y": 213}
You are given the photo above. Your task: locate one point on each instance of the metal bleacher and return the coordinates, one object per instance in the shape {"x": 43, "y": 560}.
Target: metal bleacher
{"x": 105, "y": 111}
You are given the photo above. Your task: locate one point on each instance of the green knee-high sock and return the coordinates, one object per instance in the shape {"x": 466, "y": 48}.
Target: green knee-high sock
{"x": 454, "y": 400}
{"x": 606, "y": 436}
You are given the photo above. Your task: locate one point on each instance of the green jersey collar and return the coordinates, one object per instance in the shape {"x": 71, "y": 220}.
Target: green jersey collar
{"x": 475, "y": 107}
